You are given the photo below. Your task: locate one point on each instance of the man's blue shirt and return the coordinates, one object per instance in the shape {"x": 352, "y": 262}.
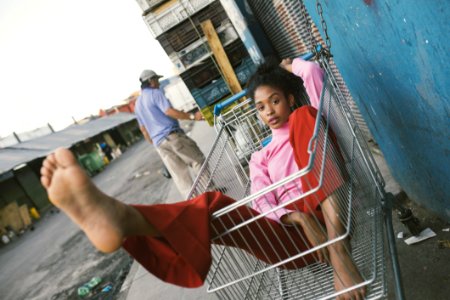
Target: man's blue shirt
{"x": 150, "y": 112}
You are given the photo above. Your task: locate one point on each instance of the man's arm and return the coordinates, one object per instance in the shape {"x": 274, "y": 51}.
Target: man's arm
{"x": 145, "y": 134}
{"x": 164, "y": 105}
{"x": 179, "y": 115}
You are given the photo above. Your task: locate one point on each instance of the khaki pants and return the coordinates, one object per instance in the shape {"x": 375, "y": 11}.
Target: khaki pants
{"x": 179, "y": 152}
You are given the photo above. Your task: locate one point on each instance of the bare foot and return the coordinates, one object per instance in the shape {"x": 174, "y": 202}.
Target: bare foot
{"x": 105, "y": 221}
{"x": 345, "y": 273}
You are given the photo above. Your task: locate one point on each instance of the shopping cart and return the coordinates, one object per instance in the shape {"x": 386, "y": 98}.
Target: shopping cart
{"x": 287, "y": 266}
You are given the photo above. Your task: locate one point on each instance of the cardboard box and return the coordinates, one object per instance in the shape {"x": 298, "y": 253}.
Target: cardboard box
{"x": 11, "y": 217}
{"x": 25, "y": 215}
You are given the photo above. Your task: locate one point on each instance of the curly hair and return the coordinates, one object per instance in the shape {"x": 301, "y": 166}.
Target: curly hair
{"x": 271, "y": 74}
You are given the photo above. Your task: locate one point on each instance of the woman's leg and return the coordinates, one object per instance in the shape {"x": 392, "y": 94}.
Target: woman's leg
{"x": 172, "y": 241}
{"x": 333, "y": 176}
{"x": 105, "y": 220}
{"x": 345, "y": 272}
{"x": 183, "y": 253}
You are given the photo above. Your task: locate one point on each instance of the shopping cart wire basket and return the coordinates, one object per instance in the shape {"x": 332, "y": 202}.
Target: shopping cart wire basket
{"x": 282, "y": 263}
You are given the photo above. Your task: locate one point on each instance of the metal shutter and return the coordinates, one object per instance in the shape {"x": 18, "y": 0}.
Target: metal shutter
{"x": 284, "y": 24}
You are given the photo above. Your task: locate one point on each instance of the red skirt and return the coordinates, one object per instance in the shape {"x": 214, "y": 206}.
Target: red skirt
{"x": 325, "y": 175}
{"x": 182, "y": 255}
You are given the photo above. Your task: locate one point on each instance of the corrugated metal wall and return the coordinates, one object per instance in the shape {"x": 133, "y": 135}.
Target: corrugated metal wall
{"x": 285, "y": 25}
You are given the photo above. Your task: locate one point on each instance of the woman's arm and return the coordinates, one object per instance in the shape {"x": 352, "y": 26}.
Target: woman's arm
{"x": 310, "y": 73}
{"x": 260, "y": 179}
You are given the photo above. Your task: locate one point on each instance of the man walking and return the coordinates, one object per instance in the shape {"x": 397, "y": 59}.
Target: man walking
{"x": 158, "y": 122}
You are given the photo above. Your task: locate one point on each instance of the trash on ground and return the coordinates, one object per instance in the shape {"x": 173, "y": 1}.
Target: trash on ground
{"x": 88, "y": 286}
{"x": 34, "y": 213}
{"x": 83, "y": 291}
{"x": 443, "y": 244}
{"x": 10, "y": 233}
{"x": 425, "y": 234}
{"x": 140, "y": 174}
{"x": 400, "y": 235}
{"x": 107, "y": 287}
{"x": 446, "y": 229}
{"x": 5, "y": 239}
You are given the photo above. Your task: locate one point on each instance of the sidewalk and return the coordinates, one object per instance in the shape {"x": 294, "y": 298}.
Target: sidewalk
{"x": 424, "y": 266}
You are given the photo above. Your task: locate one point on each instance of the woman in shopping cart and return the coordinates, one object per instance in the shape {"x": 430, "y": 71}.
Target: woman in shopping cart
{"x": 275, "y": 93}
{"x": 172, "y": 241}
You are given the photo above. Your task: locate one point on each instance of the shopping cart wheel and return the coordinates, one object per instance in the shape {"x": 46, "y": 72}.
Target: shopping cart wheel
{"x": 406, "y": 216}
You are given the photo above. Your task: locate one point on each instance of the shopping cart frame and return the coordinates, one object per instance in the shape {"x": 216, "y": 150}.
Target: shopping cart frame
{"x": 385, "y": 198}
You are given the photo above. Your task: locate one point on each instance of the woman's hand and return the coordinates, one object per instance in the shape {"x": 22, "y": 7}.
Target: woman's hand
{"x": 286, "y": 64}
{"x": 314, "y": 231}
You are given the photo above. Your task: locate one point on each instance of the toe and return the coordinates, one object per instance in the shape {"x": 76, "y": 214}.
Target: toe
{"x": 45, "y": 181}
{"x": 46, "y": 172}
{"x": 48, "y": 165}
{"x": 64, "y": 157}
{"x": 51, "y": 158}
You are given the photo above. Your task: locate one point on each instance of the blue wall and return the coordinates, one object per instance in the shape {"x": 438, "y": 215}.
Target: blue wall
{"x": 394, "y": 57}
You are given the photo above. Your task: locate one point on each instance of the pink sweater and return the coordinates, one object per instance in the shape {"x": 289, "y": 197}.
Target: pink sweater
{"x": 276, "y": 161}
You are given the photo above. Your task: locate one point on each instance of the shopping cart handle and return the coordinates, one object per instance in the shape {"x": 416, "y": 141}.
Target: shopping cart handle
{"x": 266, "y": 141}
{"x": 307, "y": 56}
{"x": 218, "y": 107}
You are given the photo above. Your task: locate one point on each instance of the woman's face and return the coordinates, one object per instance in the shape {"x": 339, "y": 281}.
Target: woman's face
{"x": 273, "y": 107}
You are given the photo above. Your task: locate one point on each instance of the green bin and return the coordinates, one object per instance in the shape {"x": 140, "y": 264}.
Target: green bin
{"x": 92, "y": 162}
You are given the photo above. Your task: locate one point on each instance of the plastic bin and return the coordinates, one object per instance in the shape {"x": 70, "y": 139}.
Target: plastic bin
{"x": 199, "y": 50}
{"x": 92, "y": 162}
{"x": 161, "y": 22}
{"x": 208, "y": 112}
{"x": 218, "y": 89}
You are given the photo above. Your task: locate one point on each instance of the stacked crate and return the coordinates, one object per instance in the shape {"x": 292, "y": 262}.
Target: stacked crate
{"x": 176, "y": 24}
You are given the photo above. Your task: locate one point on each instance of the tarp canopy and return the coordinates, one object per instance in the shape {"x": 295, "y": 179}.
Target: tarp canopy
{"x": 21, "y": 153}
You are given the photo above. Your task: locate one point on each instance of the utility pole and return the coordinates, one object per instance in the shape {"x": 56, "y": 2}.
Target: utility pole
{"x": 221, "y": 57}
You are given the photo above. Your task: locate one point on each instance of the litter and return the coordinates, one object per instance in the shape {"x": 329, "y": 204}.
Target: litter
{"x": 446, "y": 229}
{"x": 83, "y": 291}
{"x": 140, "y": 174}
{"x": 443, "y": 244}
{"x": 88, "y": 286}
{"x": 425, "y": 234}
{"x": 400, "y": 235}
{"x": 107, "y": 288}
{"x": 5, "y": 239}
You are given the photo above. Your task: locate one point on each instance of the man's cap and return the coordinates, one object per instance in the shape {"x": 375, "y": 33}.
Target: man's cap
{"x": 147, "y": 75}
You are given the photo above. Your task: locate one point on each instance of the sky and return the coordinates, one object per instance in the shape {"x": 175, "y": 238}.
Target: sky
{"x": 64, "y": 59}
